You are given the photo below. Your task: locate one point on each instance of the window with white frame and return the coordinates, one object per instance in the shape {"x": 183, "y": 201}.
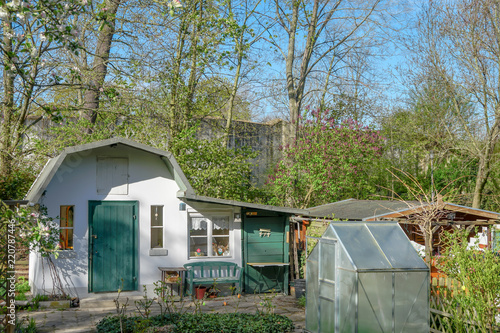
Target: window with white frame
{"x": 156, "y": 227}
{"x": 209, "y": 235}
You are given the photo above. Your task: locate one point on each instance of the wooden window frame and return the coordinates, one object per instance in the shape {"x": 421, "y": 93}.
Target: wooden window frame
{"x": 64, "y": 245}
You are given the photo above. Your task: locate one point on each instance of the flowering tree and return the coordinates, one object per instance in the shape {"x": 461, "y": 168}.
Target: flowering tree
{"x": 327, "y": 162}
{"x": 31, "y": 33}
{"x": 40, "y": 233}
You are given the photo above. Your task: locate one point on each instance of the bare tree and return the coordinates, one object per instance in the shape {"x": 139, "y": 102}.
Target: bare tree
{"x": 315, "y": 30}
{"x": 459, "y": 43}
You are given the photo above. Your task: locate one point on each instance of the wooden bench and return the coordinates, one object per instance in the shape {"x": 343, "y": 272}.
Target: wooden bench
{"x": 204, "y": 272}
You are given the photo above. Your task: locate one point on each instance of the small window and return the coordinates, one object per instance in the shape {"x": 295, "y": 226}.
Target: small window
{"x": 202, "y": 229}
{"x": 156, "y": 227}
{"x": 66, "y": 227}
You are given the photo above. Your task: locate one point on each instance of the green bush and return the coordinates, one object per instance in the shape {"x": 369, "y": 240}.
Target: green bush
{"x": 206, "y": 322}
{"x": 302, "y": 301}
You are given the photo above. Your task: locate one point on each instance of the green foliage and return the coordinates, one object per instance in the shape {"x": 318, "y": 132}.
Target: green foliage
{"x": 30, "y": 328}
{"x": 214, "y": 170}
{"x": 72, "y": 132}
{"x": 327, "y": 162}
{"x": 22, "y": 287}
{"x": 302, "y": 301}
{"x": 201, "y": 323}
{"x": 15, "y": 185}
{"x": 478, "y": 272}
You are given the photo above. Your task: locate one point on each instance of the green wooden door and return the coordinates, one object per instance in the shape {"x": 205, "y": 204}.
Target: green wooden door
{"x": 261, "y": 246}
{"x": 113, "y": 245}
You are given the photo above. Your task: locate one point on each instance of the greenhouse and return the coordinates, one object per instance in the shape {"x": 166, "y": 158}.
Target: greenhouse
{"x": 366, "y": 277}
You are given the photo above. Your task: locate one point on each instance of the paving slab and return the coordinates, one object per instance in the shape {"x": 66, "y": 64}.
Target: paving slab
{"x": 84, "y": 319}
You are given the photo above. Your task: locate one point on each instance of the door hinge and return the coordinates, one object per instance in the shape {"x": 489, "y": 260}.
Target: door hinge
{"x": 135, "y": 217}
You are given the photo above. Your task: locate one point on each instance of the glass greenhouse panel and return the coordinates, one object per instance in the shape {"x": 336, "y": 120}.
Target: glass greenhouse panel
{"x": 356, "y": 240}
{"x": 312, "y": 291}
{"x": 329, "y": 233}
{"x": 327, "y": 261}
{"x": 375, "y": 302}
{"x": 392, "y": 241}
{"x": 327, "y": 290}
{"x": 327, "y": 316}
{"x": 346, "y": 301}
{"x": 411, "y": 301}
{"x": 345, "y": 262}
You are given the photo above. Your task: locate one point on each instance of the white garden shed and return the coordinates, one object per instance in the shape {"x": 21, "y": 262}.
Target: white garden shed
{"x": 126, "y": 209}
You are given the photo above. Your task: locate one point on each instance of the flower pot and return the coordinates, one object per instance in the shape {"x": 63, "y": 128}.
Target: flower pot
{"x": 200, "y": 292}
{"x": 300, "y": 287}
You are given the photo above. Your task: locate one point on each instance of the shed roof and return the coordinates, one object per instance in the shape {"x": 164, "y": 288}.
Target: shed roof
{"x": 52, "y": 165}
{"x": 185, "y": 193}
{"x": 374, "y": 210}
{"x": 353, "y": 209}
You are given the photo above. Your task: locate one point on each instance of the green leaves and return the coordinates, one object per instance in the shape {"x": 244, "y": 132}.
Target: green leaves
{"x": 214, "y": 170}
{"x": 477, "y": 271}
{"x": 326, "y": 163}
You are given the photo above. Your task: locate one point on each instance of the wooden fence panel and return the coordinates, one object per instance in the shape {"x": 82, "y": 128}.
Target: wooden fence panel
{"x": 443, "y": 310}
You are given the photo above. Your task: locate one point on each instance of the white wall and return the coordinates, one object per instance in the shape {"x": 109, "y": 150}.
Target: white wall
{"x": 150, "y": 183}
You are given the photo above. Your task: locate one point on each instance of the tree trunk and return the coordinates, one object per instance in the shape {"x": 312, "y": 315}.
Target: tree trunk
{"x": 232, "y": 98}
{"x": 7, "y": 125}
{"x": 426, "y": 229}
{"x": 481, "y": 180}
{"x": 290, "y": 79}
{"x": 100, "y": 64}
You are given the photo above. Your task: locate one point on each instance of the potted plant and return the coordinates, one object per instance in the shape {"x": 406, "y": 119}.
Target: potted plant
{"x": 213, "y": 290}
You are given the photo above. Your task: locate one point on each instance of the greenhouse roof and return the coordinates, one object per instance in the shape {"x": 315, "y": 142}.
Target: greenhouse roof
{"x": 376, "y": 246}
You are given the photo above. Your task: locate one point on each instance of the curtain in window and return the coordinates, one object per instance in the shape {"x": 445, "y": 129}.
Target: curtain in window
{"x": 221, "y": 222}
{"x": 199, "y": 223}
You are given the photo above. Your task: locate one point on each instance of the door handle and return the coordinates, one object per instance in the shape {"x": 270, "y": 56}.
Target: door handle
{"x": 94, "y": 236}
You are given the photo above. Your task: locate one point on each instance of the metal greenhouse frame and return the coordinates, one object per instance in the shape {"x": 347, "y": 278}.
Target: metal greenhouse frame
{"x": 366, "y": 277}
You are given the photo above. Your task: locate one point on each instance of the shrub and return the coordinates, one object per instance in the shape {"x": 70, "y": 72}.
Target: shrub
{"x": 201, "y": 323}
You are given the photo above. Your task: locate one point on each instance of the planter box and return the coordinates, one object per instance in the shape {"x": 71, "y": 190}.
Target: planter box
{"x": 63, "y": 304}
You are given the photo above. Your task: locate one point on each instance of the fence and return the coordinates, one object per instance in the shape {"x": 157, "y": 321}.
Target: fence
{"x": 446, "y": 316}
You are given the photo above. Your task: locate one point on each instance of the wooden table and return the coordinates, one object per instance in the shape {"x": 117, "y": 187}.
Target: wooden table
{"x": 280, "y": 266}
{"x": 180, "y": 271}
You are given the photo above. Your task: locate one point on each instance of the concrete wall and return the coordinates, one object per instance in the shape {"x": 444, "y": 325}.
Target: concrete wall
{"x": 150, "y": 183}
{"x": 264, "y": 138}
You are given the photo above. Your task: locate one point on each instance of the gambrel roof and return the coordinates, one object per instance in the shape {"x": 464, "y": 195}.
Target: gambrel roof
{"x": 185, "y": 193}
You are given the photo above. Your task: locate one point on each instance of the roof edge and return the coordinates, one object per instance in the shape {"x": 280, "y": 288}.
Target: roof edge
{"x": 200, "y": 198}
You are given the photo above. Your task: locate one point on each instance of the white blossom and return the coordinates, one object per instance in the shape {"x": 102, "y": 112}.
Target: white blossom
{"x": 14, "y": 3}
{"x": 43, "y": 38}
{"x": 3, "y": 13}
